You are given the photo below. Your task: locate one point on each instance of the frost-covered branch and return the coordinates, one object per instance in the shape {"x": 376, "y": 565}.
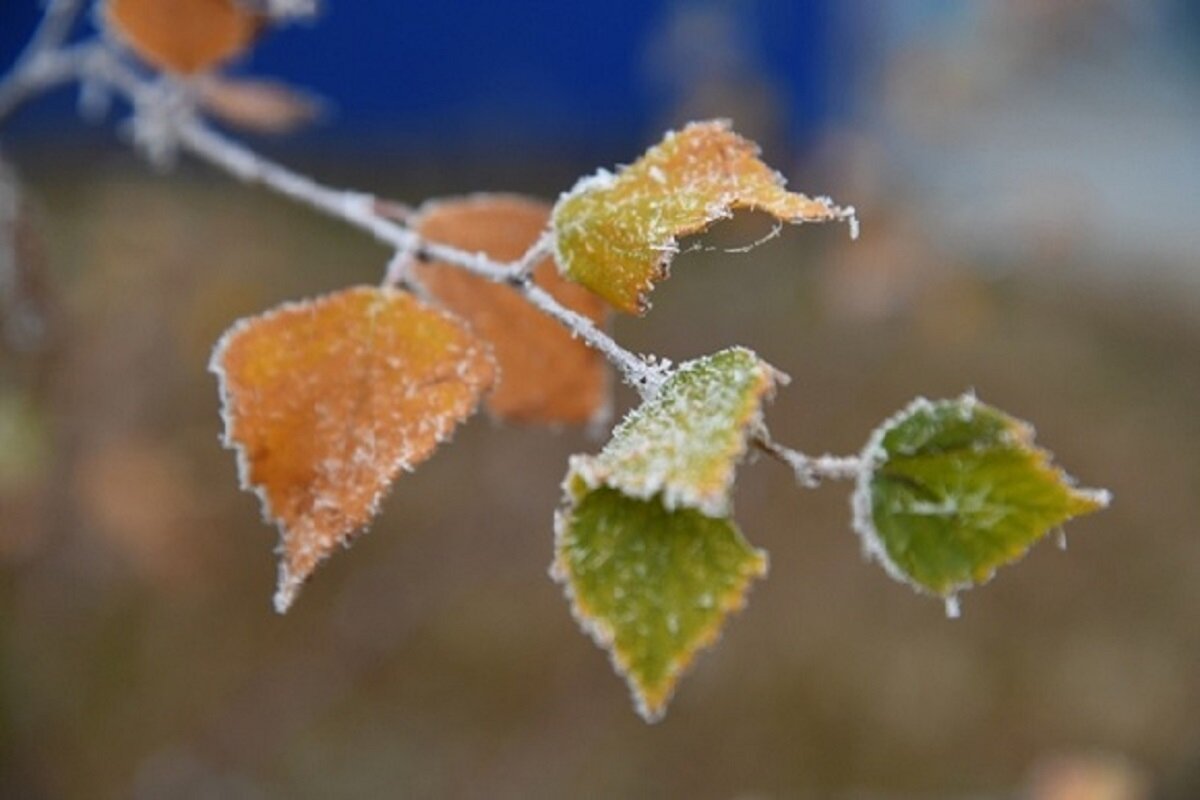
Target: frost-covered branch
{"x": 810, "y": 470}
{"x": 52, "y": 30}
{"x": 362, "y": 211}
{"x": 164, "y": 120}
{"x": 38, "y": 66}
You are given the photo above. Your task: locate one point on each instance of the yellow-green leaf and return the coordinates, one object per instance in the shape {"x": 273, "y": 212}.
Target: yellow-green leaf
{"x": 651, "y": 585}
{"x": 616, "y": 234}
{"x": 954, "y": 489}
{"x": 684, "y": 443}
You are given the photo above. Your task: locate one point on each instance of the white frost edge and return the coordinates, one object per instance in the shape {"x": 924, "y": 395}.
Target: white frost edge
{"x": 587, "y": 468}
{"x": 602, "y": 635}
{"x": 603, "y": 179}
{"x": 873, "y": 456}
{"x": 288, "y": 585}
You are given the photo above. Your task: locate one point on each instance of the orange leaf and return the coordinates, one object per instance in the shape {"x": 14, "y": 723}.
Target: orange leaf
{"x": 184, "y": 36}
{"x": 327, "y": 400}
{"x": 546, "y": 375}
{"x": 258, "y": 105}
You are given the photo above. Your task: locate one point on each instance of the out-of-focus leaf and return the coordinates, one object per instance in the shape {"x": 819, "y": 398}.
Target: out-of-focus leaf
{"x": 616, "y": 234}
{"x": 684, "y": 443}
{"x": 546, "y": 374}
{"x": 954, "y": 489}
{"x": 184, "y": 36}
{"x": 327, "y": 400}
{"x": 651, "y": 585}
{"x": 259, "y": 105}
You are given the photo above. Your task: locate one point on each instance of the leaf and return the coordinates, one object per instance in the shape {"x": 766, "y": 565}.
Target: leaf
{"x": 184, "y": 36}
{"x": 616, "y": 234}
{"x": 685, "y": 442}
{"x": 645, "y": 546}
{"x": 650, "y": 585}
{"x": 954, "y": 489}
{"x": 546, "y": 374}
{"x": 327, "y": 400}
{"x": 257, "y": 105}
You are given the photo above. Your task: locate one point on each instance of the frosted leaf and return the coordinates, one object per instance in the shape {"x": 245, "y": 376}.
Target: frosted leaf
{"x": 645, "y": 547}
{"x": 326, "y": 401}
{"x": 183, "y": 36}
{"x": 953, "y": 489}
{"x": 650, "y": 585}
{"x": 683, "y": 444}
{"x": 616, "y": 234}
{"x": 546, "y": 374}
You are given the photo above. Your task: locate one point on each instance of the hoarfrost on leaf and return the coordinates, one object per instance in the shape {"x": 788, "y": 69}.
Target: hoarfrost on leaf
{"x": 684, "y": 443}
{"x": 651, "y": 585}
{"x": 617, "y": 235}
{"x": 326, "y": 401}
{"x": 546, "y": 374}
{"x": 951, "y": 490}
{"x": 646, "y": 547}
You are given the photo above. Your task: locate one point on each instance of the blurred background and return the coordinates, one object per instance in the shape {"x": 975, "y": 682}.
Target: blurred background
{"x": 1026, "y": 174}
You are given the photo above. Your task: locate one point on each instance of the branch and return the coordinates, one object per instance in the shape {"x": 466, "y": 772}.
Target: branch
{"x": 360, "y": 209}
{"x": 161, "y": 110}
{"x": 810, "y": 470}
{"x": 29, "y": 74}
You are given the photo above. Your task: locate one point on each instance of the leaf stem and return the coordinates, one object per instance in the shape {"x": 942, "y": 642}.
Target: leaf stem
{"x": 810, "y": 471}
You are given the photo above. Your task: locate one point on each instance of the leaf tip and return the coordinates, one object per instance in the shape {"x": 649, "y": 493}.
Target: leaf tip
{"x": 286, "y": 591}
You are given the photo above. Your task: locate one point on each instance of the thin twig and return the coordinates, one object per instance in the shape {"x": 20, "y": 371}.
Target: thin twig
{"x": 28, "y": 75}
{"x": 810, "y": 470}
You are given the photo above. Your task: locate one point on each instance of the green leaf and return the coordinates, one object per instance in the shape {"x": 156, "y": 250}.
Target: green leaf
{"x": 651, "y": 585}
{"x": 954, "y": 489}
{"x": 684, "y": 443}
{"x": 616, "y": 234}
{"x": 644, "y": 545}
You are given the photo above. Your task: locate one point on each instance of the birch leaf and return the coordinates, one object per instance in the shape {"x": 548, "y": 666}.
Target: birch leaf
{"x": 954, "y": 489}
{"x": 684, "y": 443}
{"x": 652, "y": 586}
{"x": 184, "y": 36}
{"x": 645, "y": 546}
{"x": 617, "y": 234}
{"x": 546, "y": 374}
{"x": 326, "y": 401}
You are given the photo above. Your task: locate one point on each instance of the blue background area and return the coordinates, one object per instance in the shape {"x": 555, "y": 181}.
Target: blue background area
{"x": 439, "y": 75}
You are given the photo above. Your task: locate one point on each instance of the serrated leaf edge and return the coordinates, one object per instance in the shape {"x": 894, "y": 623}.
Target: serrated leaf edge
{"x": 586, "y": 469}
{"x": 874, "y": 456}
{"x": 288, "y": 585}
{"x": 650, "y": 709}
{"x": 723, "y": 208}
